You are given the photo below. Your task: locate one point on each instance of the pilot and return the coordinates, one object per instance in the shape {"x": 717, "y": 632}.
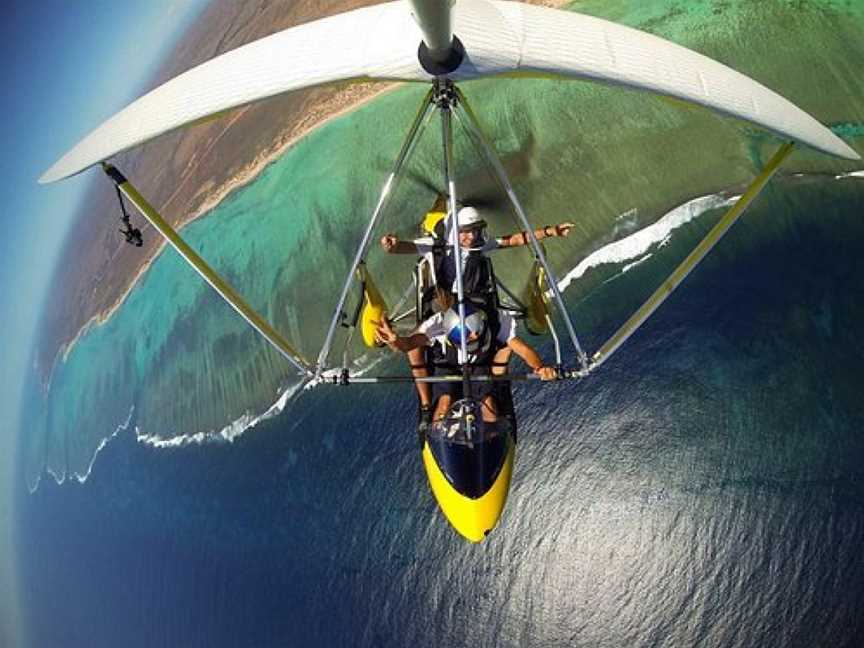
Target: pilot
{"x": 489, "y": 341}
{"x": 473, "y": 242}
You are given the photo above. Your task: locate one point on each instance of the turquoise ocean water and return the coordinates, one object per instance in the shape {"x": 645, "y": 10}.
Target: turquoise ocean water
{"x": 703, "y": 487}
{"x": 175, "y": 361}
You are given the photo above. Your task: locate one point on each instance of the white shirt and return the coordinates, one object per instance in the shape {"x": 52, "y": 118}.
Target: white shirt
{"x": 433, "y": 328}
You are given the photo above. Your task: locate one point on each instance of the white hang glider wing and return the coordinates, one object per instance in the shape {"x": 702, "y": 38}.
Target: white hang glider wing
{"x": 500, "y": 38}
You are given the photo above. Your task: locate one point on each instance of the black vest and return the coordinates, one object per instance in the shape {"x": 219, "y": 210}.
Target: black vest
{"x": 478, "y": 280}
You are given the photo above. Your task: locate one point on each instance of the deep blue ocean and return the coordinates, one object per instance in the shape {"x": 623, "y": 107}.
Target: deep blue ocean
{"x": 705, "y": 487}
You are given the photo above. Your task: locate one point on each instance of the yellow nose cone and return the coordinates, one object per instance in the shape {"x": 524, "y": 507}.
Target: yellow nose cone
{"x": 473, "y": 518}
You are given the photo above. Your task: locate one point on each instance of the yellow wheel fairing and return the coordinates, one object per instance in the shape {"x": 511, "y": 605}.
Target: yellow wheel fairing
{"x": 472, "y": 518}
{"x": 538, "y": 303}
{"x": 373, "y": 307}
{"x": 433, "y": 222}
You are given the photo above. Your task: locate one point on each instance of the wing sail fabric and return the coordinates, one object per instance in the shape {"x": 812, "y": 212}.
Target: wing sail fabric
{"x": 500, "y": 38}
{"x": 369, "y": 43}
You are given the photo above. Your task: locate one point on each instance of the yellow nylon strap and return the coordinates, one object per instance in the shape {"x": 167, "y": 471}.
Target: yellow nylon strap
{"x": 699, "y": 252}
{"x": 210, "y": 276}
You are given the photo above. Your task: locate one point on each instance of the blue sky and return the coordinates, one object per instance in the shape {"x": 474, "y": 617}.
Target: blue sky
{"x": 67, "y": 67}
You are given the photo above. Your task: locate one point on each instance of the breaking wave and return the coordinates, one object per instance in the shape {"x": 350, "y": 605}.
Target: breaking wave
{"x": 636, "y": 245}
{"x": 81, "y": 478}
{"x": 629, "y": 251}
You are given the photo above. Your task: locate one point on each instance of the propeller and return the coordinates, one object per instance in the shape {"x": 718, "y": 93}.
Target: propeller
{"x": 479, "y": 187}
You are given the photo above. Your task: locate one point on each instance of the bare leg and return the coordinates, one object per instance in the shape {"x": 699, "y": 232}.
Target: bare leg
{"x": 489, "y": 409}
{"x": 419, "y": 370}
{"x": 499, "y": 368}
{"x": 500, "y": 360}
{"x": 442, "y": 407}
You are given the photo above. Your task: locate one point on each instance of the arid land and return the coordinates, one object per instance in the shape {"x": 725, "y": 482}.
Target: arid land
{"x": 186, "y": 173}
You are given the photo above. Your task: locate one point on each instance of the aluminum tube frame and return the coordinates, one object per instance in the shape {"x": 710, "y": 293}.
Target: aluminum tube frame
{"x": 473, "y": 127}
{"x": 692, "y": 260}
{"x": 377, "y": 380}
{"x": 434, "y": 18}
{"x": 447, "y": 141}
{"x": 417, "y": 128}
{"x": 343, "y": 380}
{"x": 222, "y": 287}
{"x": 555, "y": 339}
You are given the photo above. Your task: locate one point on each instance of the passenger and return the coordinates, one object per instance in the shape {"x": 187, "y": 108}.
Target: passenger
{"x": 476, "y": 270}
{"x": 489, "y": 344}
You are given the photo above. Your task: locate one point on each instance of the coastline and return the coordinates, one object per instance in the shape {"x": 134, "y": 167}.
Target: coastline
{"x": 357, "y": 96}
{"x": 349, "y": 98}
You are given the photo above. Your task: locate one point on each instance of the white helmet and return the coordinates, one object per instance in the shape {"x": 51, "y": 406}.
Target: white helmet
{"x": 469, "y": 218}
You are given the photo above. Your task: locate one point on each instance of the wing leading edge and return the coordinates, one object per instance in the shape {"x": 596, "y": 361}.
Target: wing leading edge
{"x": 500, "y": 38}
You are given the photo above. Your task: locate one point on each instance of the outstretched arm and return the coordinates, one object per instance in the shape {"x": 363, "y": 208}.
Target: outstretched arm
{"x": 533, "y": 360}
{"x": 548, "y": 231}
{"x": 385, "y": 334}
{"x": 392, "y": 244}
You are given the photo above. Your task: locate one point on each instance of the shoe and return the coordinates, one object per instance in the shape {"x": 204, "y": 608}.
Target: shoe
{"x": 425, "y": 417}
{"x": 423, "y": 424}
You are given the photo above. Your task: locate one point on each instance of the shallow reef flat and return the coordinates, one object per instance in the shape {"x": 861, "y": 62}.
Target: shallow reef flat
{"x": 175, "y": 362}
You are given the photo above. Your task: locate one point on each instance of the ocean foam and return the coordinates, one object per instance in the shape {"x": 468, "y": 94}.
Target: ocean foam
{"x": 247, "y": 421}
{"x": 120, "y": 428}
{"x": 637, "y": 262}
{"x": 81, "y": 478}
{"x": 227, "y": 434}
{"x": 634, "y": 248}
{"x": 640, "y": 242}
{"x": 850, "y": 174}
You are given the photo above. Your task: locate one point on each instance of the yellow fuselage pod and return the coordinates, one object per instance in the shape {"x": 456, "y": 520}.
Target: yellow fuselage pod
{"x": 472, "y": 517}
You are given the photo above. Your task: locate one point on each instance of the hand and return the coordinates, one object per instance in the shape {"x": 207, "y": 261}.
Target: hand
{"x": 563, "y": 229}
{"x": 384, "y": 333}
{"x": 388, "y": 242}
{"x": 547, "y": 373}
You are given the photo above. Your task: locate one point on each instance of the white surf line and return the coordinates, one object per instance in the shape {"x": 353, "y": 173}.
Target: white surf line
{"x": 639, "y": 243}
{"x": 637, "y": 262}
{"x": 120, "y": 428}
{"x": 227, "y": 434}
{"x": 850, "y": 174}
{"x": 660, "y": 232}
{"x": 241, "y": 425}
{"x": 81, "y": 478}
{"x": 247, "y": 421}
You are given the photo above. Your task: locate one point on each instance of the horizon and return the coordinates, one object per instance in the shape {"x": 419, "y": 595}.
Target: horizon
{"x": 63, "y": 57}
